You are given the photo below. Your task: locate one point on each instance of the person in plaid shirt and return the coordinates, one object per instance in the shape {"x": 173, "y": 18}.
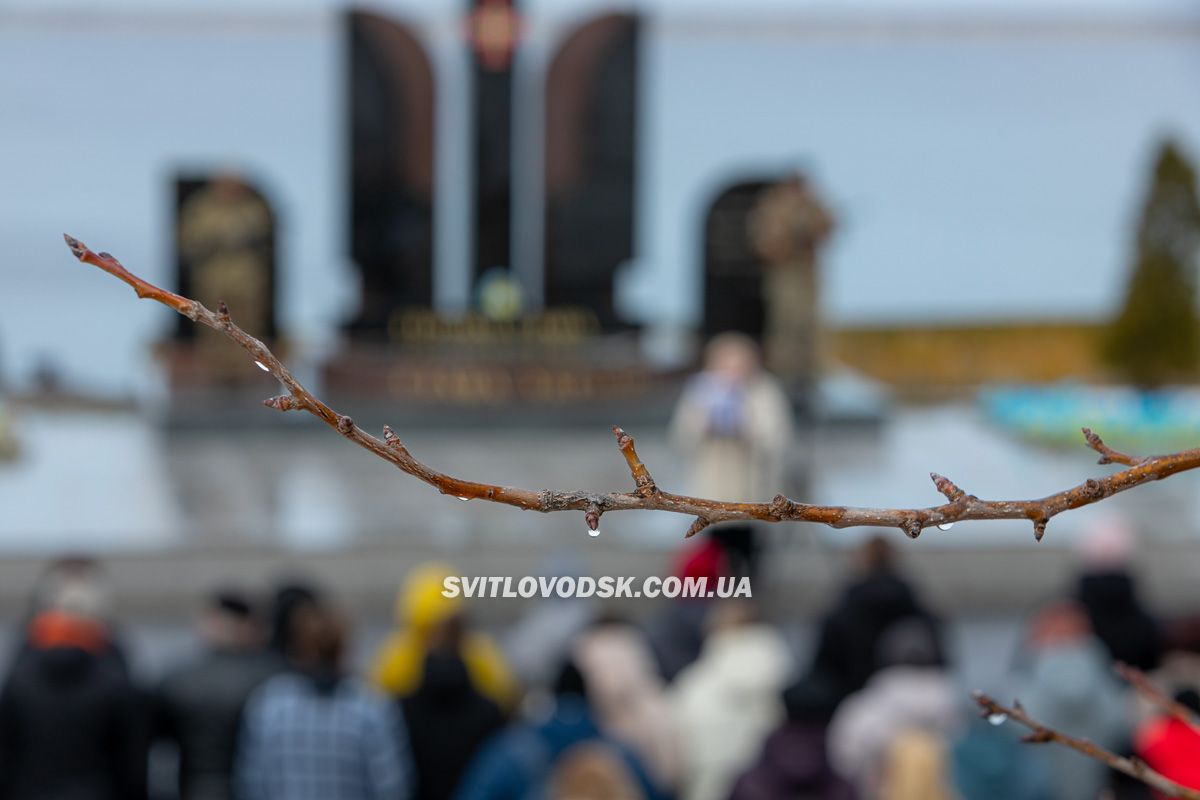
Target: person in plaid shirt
{"x": 316, "y": 734}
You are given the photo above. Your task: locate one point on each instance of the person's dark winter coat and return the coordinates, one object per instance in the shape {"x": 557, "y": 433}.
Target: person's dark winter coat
{"x": 448, "y": 719}
{"x": 71, "y": 725}
{"x": 1118, "y": 618}
{"x": 794, "y": 761}
{"x": 200, "y": 707}
{"x": 793, "y": 764}
{"x": 848, "y": 644}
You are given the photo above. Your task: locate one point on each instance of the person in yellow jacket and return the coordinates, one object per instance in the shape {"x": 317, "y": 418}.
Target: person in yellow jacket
{"x": 426, "y": 619}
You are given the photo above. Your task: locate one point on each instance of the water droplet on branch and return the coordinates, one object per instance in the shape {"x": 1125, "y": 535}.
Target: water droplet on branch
{"x": 261, "y": 366}
{"x": 945, "y": 526}
{"x": 593, "y": 533}
{"x": 999, "y": 718}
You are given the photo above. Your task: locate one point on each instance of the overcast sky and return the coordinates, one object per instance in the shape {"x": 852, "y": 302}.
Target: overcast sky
{"x": 975, "y": 176}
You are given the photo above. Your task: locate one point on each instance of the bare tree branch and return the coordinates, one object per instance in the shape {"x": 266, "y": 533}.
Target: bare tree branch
{"x": 1107, "y": 454}
{"x": 959, "y": 507}
{"x": 1168, "y": 705}
{"x": 1042, "y": 734}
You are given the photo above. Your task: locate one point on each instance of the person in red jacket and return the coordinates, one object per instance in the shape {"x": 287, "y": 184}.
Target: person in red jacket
{"x": 1171, "y": 746}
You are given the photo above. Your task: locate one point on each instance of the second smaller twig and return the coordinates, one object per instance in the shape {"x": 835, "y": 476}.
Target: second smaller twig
{"x": 1042, "y": 734}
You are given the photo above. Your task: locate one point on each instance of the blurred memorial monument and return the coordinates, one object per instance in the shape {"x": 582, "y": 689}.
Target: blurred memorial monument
{"x": 225, "y": 233}
{"x": 523, "y": 314}
{"x": 541, "y": 327}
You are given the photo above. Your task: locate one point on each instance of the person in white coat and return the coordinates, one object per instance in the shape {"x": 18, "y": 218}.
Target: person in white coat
{"x": 727, "y": 702}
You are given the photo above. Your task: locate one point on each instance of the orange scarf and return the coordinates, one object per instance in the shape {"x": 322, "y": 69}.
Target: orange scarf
{"x": 59, "y": 629}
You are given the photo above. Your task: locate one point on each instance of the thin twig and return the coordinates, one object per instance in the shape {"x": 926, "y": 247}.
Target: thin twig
{"x": 1041, "y": 734}
{"x": 1168, "y": 705}
{"x": 959, "y": 507}
{"x": 1107, "y": 454}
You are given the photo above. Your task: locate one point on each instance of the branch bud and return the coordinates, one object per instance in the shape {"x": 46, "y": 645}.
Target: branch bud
{"x": 624, "y": 440}
{"x": 781, "y": 506}
{"x": 946, "y": 487}
{"x": 77, "y": 248}
{"x": 283, "y": 402}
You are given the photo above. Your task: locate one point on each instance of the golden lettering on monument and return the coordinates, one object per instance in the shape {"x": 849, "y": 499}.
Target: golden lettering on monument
{"x": 556, "y": 327}
{"x": 478, "y": 385}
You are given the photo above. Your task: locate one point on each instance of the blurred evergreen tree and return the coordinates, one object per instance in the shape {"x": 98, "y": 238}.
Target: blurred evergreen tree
{"x": 1155, "y": 338}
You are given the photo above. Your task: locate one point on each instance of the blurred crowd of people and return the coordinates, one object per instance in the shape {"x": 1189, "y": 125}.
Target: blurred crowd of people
{"x": 705, "y": 700}
{"x": 702, "y": 700}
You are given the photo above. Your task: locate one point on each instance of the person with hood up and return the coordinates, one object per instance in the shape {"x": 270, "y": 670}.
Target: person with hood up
{"x": 878, "y": 597}
{"x": 794, "y": 761}
{"x": 423, "y": 612}
{"x": 1107, "y": 591}
{"x": 1067, "y": 683}
{"x": 448, "y": 720}
{"x": 532, "y": 759}
{"x": 728, "y": 701}
{"x": 71, "y": 724}
{"x": 81, "y": 575}
{"x": 316, "y": 734}
{"x": 909, "y": 707}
